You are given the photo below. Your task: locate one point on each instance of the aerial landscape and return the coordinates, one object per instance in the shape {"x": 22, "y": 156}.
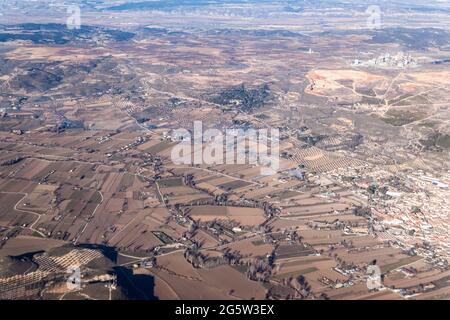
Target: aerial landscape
{"x": 224, "y": 150}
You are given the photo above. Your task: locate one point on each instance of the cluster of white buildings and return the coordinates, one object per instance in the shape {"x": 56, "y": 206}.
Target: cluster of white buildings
{"x": 421, "y": 216}
{"x": 416, "y": 212}
{"x": 399, "y": 60}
